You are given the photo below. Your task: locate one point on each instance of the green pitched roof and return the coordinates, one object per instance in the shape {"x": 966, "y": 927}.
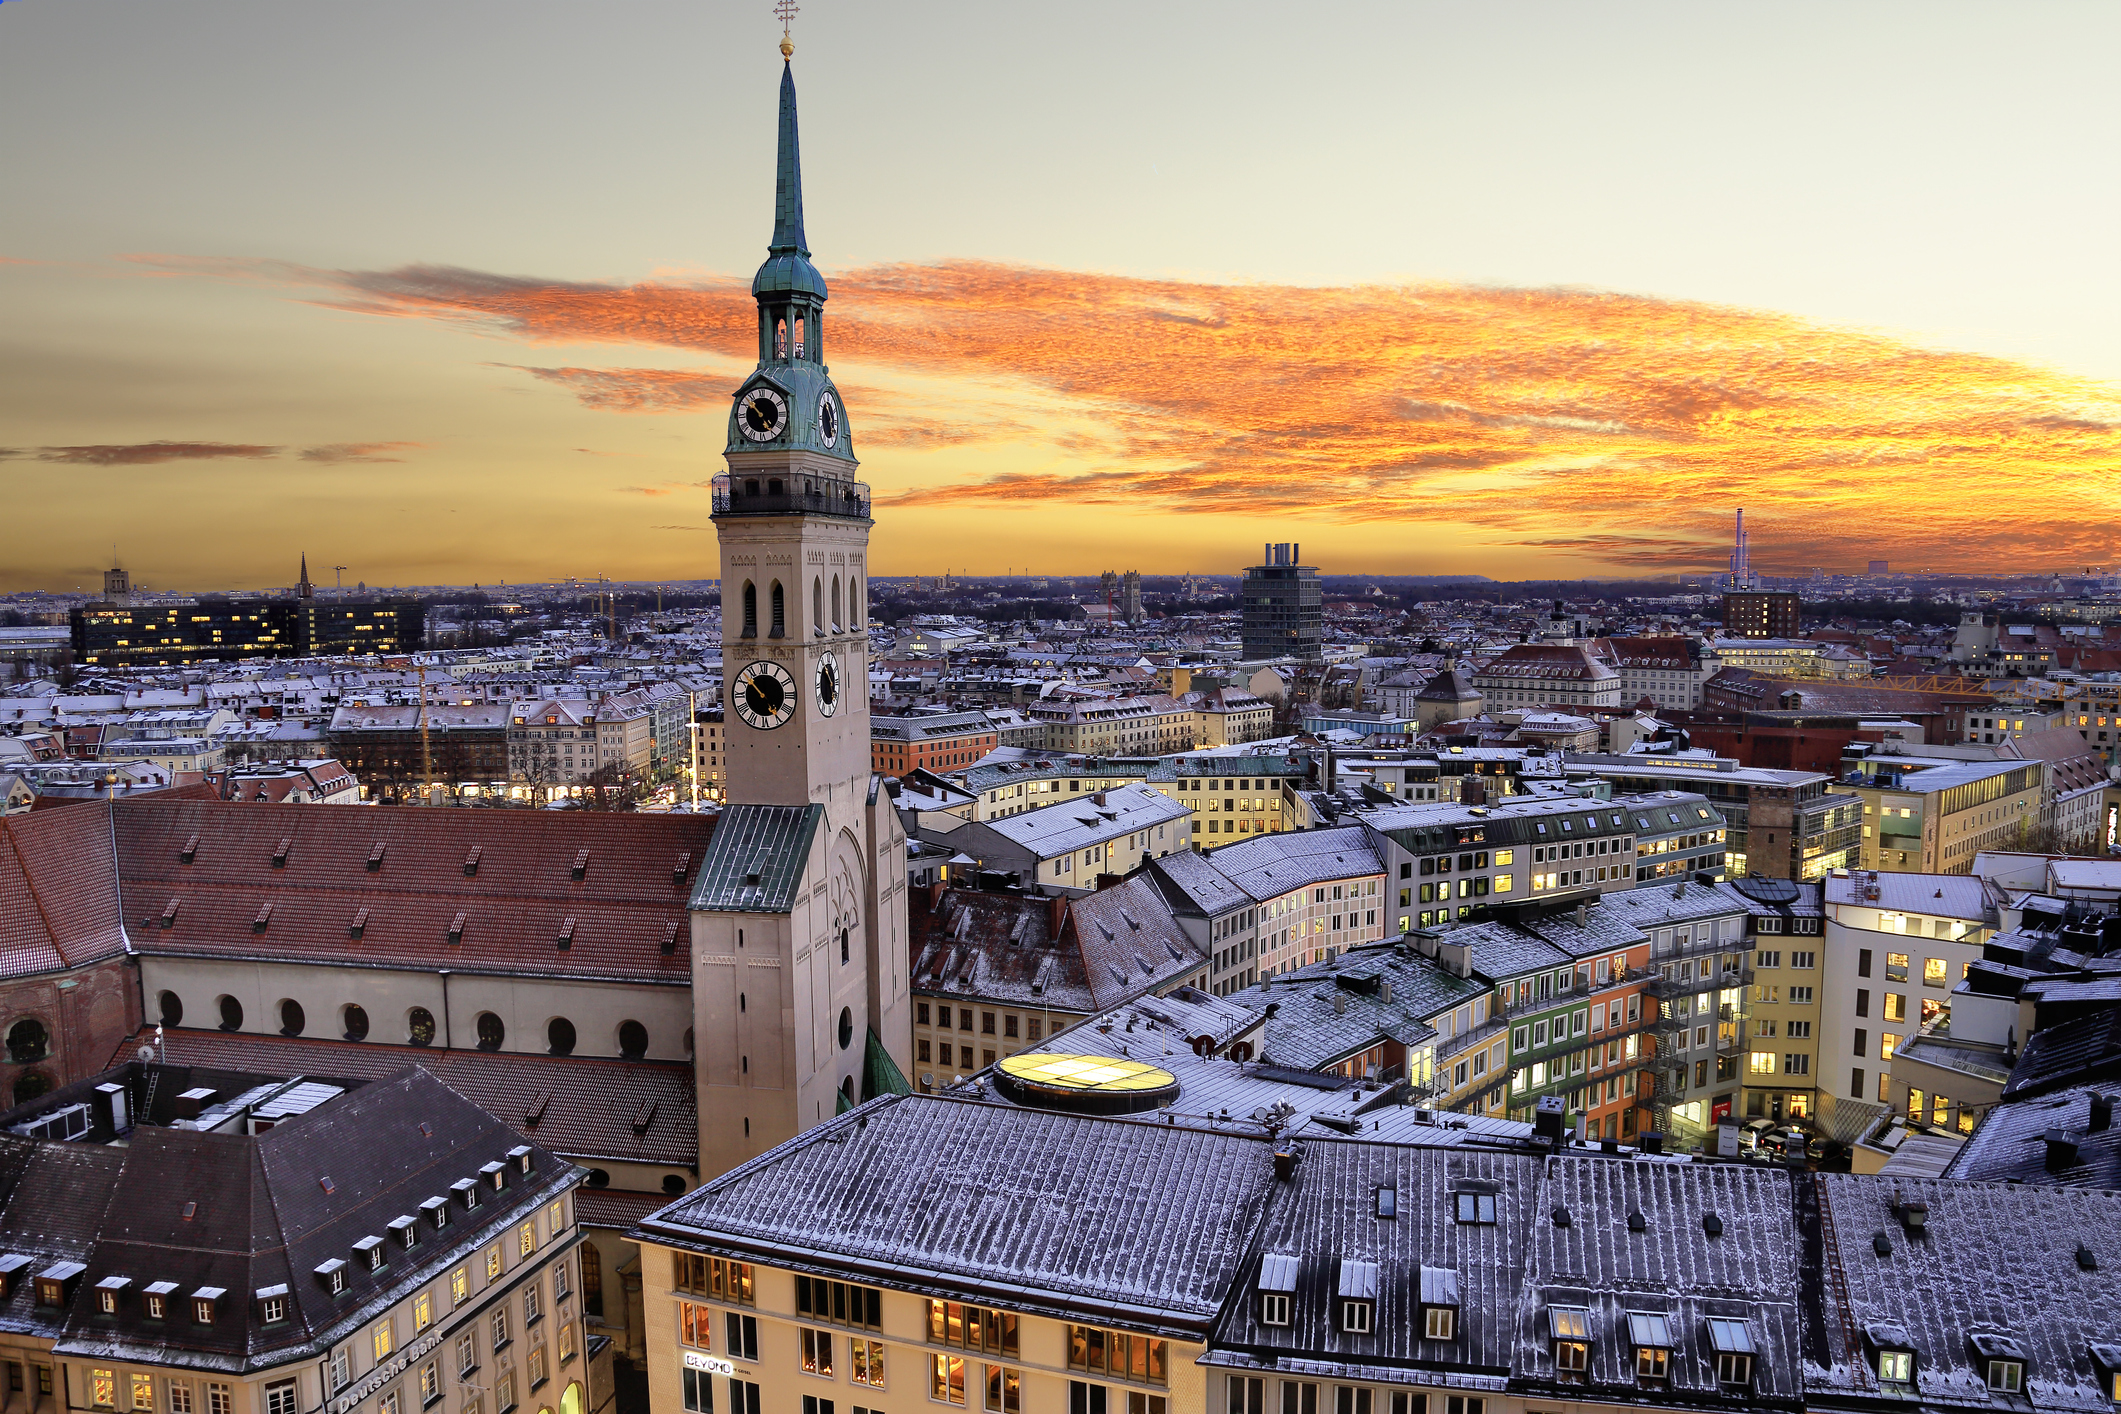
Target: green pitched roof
{"x": 756, "y": 858}
{"x": 880, "y": 1073}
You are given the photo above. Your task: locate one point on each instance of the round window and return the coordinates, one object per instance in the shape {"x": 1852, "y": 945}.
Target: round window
{"x": 491, "y": 1031}
{"x": 420, "y": 1026}
{"x": 231, "y": 1014}
{"x": 291, "y": 1018}
{"x": 559, "y": 1036}
{"x": 172, "y": 1009}
{"x": 356, "y": 1023}
{"x": 846, "y": 1027}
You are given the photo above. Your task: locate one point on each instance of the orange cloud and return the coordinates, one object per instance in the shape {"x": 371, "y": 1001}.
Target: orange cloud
{"x": 1612, "y": 427}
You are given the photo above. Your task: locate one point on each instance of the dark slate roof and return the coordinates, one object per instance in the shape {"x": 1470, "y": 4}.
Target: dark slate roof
{"x": 771, "y": 841}
{"x": 54, "y": 1202}
{"x": 1268, "y": 866}
{"x": 630, "y": 899}
{"x": 2010, "y": 1144}
{"x": 1065, "y": 1215}
{"x": 1330, "y": 1010}
{"x": 1326, "y": 1217}
{"x": 1500, "y": 950}
{"x": 994, "y": 947}
{"x": 1129, "y": 941}
{"x": 1196, "y": 887}
{"x": 2068, "y": 1052}
{"x": 1994, "y": 1258}
{"x": 1746, "y": 1270}
{"x": 586, "y": 1107}
{"x": 260, "y": 1215}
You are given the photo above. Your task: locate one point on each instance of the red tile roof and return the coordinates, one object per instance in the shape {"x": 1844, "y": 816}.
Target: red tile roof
{"x": 58, "y": 891}
{"x": 513, "y": 906}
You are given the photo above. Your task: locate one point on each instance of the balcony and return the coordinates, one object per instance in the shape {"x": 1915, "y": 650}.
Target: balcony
{"x": 792, "y": 495}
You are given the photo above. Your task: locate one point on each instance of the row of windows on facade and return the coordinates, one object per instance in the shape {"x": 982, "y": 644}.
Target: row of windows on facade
{"x": 561, "y": 1039}
{"x": 954, "y": 1325}
{"x": 987, "y": 1020}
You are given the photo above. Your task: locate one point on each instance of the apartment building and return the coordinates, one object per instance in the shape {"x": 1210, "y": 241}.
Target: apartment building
{"x": 1786, "y": 922}
{"x": 1013, "y": 787}
{"x": 1568, "y": 994}
{"x": 1318, "y": 893}
{"x": 1152, "y": 725}
{"x": 1233, "y": 795}
{"x": 1067, "y": 848}
{"x": 1563, "y": 675}
{"x": 2094, "y": 708}
{"x": 946, "y": 741}
{"x": 1782, "y": 824}
{"x": 1240, "y": 1269}
{"x": 1896, "y": 944}
{"x": 995, "y": 974}
{"x": 1668, "y": 670}
{"x": 1924, "y": 815}
{"x": 1448, "y": 861}
{"x": 198, "y": 1241}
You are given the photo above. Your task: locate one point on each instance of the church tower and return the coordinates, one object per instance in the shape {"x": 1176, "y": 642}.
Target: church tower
{"x": 799, "y": 917}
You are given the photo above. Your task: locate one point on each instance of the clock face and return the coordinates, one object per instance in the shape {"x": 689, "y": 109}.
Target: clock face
{"x": 764, "y": 695}
{"x": 828, "y": 420}
{"x": 828, "y": 683}
{"x": 762, "y": 414}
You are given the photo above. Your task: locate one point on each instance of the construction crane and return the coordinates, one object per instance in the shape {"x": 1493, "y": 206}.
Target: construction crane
{"x": 338, "y": 585}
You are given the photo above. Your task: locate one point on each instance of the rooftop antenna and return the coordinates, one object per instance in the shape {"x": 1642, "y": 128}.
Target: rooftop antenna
{"x": 785, "y": 11}
{"x": 338, "y": 585}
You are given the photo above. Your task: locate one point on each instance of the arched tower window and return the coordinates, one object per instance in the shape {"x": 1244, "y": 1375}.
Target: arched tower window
{"x": 857, "y": 602}
{"x": 799, "y": 336}
{"x": 780, "y": 338}
{"x": 751, "y": 609}
{"x": 817, "y": 601}
{"x": 836, "y": 620}
{"x": 780, "y": 613}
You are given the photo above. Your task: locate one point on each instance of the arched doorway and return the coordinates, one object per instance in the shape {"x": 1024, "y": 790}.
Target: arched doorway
{"x": 571, "y": 1399}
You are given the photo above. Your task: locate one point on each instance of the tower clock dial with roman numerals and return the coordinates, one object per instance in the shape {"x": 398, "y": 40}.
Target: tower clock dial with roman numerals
{"x": 764, "y": 695}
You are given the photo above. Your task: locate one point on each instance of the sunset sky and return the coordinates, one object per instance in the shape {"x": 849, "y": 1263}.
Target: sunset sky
{"x": 458, "y": 292}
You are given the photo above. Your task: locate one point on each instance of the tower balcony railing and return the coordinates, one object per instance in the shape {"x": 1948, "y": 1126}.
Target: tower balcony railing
{"x": 790, "y": 495}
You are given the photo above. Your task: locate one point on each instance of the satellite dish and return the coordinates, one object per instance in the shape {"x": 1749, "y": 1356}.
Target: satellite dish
{"x": 147, "y": 1055}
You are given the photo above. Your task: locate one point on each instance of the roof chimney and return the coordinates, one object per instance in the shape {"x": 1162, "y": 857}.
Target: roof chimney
{"x": 2061, "y": 1150}
{"x": 1285, "y": 1164}
{"x": 2102, "y": 1114}
{"x": 1057, "y": 915}
{"x": 1583, "y": 915}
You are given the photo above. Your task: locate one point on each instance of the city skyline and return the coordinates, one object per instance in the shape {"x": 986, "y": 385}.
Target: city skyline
{"x": 357, "y": 330}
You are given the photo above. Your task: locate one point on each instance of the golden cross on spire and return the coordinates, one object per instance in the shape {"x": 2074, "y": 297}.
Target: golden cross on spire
{"x": 785, "y": 11}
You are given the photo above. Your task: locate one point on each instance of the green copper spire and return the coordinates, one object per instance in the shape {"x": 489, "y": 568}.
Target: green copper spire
{"x": 788, "y": 176}
{"x": 788, "y": 270}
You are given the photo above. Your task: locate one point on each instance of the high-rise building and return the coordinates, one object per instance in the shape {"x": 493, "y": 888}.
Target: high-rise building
{"x": 1881, "y": 567}
{"x": 1284, "y": 607}
{"x": 1130, "y": 597}
{"x": 800, "y": 991}
{"x": 1760, "y": 613}
{"x": 118, "y": 633}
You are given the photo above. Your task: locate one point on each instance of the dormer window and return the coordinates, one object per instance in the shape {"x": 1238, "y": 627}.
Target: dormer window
{"x": 520, "y": 1156}
{"x": 1732, "y": 1342}
{"x": 333, "y": 1275}
{"x": 1651, "y": 1335}
{"x": 369, "y": 1251}
{"x": 272, "y": 1304}
{"x": 406, "y": 1230}
{"x": 437, "y": 1212}
{"x": 1896, "y": 1367}
{"x": 467, "y": 1191}
{"x": 496, "y": 1174}
{"x": 1439, "y": 1303}
{"x": 2001, "y": 1361}
{"x": 1358, "y": 1296}
{"x": 12, "y": 1267}
{"x": 1277, "y": 1286}
{"x": 204, "y": 1303}
{"x": 1570, "y": 1329}
{"x": 57, "y": 1283}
